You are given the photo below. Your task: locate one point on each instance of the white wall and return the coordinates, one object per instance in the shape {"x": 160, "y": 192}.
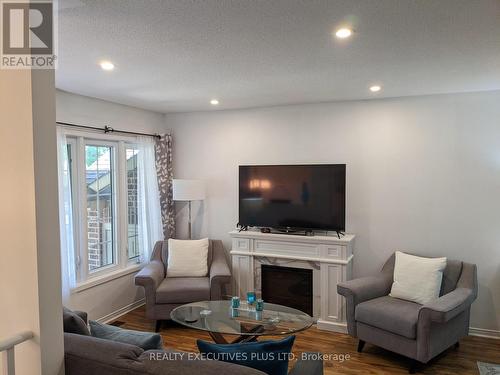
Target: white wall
{"x": 423, "y": 174}
{"x": 107, "y": 298}
{"x": 17, "y": 222}
{"x": 29, "y": 272}
{"x": 84, "y": 110}
{"x": 47, "y": 220}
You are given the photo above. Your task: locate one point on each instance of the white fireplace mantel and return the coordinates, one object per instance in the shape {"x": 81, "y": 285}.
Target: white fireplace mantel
{"x": 329, "y": 257}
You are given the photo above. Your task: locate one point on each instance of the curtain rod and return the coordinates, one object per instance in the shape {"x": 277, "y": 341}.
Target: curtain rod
{"x": 108, "y": 129}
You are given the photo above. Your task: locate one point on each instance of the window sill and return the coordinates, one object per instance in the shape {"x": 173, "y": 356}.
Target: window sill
{"x": 99, "y": 280}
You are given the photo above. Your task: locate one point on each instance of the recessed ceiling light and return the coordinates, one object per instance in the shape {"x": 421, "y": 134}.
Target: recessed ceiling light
{"x": 214, "y": 102}
{"x": 107, "y": 65}
{"x": 343, "y": 33}
{"x": 375, "y": 88}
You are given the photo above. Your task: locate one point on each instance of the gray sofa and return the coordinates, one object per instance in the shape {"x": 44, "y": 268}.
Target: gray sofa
{"x": 419, "y": 332}
{"x": 163, "y": 294}
{"x": 87, "y": 355}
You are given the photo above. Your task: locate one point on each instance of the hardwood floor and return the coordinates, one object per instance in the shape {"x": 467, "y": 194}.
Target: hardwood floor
{"x": 373, "y": 360}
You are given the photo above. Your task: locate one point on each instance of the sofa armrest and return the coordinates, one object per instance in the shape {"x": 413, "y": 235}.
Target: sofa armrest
{"x": 219, "y": 271}
{"x": 365, "y": 288}
{"x": 85, "y": 355}
{"x": 360, "y": 290}
{"x": 448, "y": 306}
{"x": 313, "y": 365}
{"x": 150, "y": 277}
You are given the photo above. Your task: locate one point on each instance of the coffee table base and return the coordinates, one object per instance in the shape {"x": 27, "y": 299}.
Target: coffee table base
{"x": 219, "y": 339}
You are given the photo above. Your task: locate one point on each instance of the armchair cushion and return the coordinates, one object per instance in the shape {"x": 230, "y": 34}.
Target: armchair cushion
{"x": 390, "y": 314}
{"x": 417, "y": 279}
{"x": 183, "y": 290}
{"x": 187, "y": 258}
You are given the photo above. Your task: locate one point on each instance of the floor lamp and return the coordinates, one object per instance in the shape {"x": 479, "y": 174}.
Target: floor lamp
{"x": 188, "y": 191}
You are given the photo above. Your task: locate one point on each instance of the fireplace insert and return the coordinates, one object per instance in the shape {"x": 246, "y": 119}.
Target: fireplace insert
{"x": 287, "y": 286}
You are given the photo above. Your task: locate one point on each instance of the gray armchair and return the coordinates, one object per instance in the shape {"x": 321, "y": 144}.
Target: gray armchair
{"x": 419, "y": 332}
{"x": 163, "y": 294}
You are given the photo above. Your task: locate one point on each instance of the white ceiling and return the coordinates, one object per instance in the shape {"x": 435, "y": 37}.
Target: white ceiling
{"x": 176, "y": 55}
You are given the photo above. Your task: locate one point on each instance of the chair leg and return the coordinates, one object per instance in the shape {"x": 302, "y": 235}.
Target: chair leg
{"x": 361, "y": 345}
{"x": 158, "y": 325}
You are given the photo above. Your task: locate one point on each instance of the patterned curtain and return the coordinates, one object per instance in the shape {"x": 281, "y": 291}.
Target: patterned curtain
{"x": 163, "y": 152}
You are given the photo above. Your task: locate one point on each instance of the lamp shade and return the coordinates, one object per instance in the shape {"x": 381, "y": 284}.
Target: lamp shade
{"x": 188, "y": 190}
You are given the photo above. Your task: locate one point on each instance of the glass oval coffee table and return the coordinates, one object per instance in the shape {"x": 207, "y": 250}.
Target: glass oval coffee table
{"x": 218, "y": 319}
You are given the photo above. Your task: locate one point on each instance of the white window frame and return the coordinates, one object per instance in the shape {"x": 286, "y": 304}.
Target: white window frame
{"x": 124, "y": 186}
{"x": 121, "y": 265}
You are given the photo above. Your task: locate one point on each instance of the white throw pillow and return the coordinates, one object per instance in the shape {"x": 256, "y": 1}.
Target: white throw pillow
{"x": 417, "y": 279}
{"x": 187, "y": 258}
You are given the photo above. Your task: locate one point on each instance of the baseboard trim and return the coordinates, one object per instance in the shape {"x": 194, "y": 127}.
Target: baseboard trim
{"x": 481, "y": 332}
{"x": 326, "y": 325}
{"x": 122, "y": 311}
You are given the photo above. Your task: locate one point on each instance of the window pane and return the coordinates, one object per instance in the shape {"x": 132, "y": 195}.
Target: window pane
{"x": 100, "y": 197}
{"x": 132, "y": 214}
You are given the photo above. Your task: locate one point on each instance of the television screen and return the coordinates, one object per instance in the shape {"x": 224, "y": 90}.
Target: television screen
{"x": 293, "y": 196}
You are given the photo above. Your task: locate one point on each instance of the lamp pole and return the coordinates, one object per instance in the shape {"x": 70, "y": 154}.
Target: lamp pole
{"x": 188, "y": 191}
{"x": 189, "y": 220}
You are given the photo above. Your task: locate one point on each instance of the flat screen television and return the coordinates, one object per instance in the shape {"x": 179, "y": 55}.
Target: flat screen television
{"x": 301, "y": 197}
